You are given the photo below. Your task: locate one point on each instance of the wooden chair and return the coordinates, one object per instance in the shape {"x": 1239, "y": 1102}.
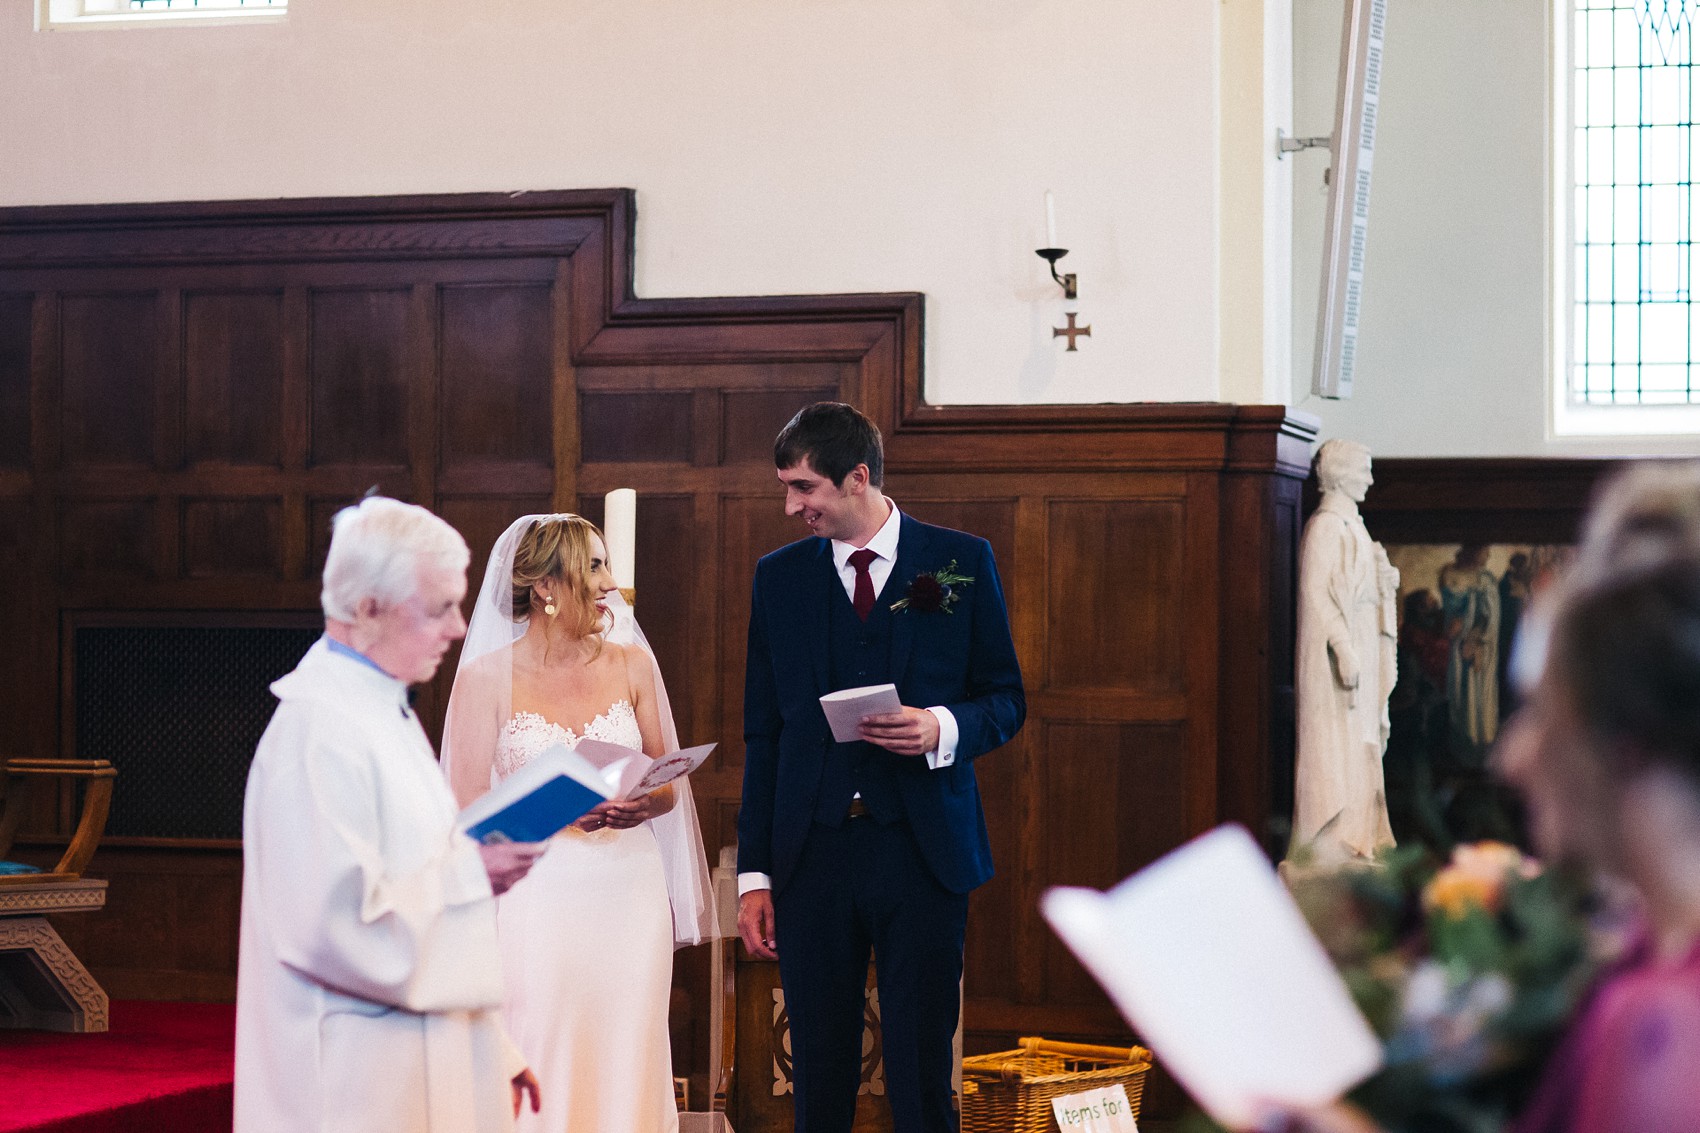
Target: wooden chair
{"x": 42, "y": 983}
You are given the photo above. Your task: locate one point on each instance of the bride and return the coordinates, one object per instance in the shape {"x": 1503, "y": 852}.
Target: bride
{"x": 553, "y": 655}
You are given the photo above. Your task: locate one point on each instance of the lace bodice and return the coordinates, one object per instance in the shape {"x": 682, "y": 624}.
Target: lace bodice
{"x": 528, "y": 733}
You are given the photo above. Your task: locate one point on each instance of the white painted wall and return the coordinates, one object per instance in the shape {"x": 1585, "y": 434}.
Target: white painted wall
{"x": 1256, "y": 228}
{"x": 1453, "y": 349}
{"x": 778, "y": 146}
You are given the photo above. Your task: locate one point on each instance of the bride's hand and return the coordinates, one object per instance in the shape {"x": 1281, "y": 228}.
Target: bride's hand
{"x": 622, "y": 814}
{"x": 594, "y": 819}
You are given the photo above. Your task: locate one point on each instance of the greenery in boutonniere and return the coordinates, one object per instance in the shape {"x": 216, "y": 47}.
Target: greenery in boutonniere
{"x": 934, "y": 590}
{"x": 1468, "y": 972}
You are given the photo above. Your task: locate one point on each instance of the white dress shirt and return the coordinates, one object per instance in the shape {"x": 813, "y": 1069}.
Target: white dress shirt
{"x": 884, "y": 547}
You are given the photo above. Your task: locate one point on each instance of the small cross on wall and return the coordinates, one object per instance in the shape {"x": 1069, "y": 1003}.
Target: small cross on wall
{"x": 1073, "y": 332}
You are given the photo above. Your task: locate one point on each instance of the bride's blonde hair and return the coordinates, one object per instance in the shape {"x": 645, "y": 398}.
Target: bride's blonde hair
{"x": 559, "y": 548}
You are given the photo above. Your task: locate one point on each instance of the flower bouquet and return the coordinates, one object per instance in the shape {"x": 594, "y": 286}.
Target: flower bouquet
{"x": 1467, "y": 971}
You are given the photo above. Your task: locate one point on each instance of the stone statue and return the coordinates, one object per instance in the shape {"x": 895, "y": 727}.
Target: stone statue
{"x": 1345, "y": 669}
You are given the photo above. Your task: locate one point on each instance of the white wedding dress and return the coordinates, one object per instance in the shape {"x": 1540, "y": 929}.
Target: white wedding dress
{"x": 587, "y": 956}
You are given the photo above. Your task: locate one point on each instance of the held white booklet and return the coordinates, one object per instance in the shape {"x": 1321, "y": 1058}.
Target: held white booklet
{"x": 846, "y": 708}
{"x": 639, "y": 774}
{"x": 1209, "y": 958}
{"x": 555, "y": 789}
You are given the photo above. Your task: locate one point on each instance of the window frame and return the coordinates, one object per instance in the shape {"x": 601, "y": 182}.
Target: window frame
{"x": 74, "y": 15}
{"x": 1568, "y": 420}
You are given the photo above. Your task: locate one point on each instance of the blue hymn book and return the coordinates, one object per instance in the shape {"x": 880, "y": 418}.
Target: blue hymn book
{"x": 546, "y": 795}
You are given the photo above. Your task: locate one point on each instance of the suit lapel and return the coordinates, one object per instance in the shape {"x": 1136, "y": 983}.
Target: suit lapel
{"x": 911, "y": 550}
{"x": 814, "y": 610}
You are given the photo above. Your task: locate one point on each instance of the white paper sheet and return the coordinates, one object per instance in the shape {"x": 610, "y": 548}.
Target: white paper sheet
{"x": 846, "y": 708}
{"x": 1209, "y": 958}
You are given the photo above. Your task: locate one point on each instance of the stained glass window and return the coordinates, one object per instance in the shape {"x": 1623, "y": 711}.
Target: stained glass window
{"x": 1636, "y": 327}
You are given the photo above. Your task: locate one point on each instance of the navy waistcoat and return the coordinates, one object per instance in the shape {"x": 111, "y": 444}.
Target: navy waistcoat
{"x": 860, "y": 654}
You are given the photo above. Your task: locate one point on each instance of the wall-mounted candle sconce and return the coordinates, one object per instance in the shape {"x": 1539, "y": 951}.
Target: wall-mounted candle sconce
{"x": 1051, "y": 253}
{"x": 1070, "y": 291}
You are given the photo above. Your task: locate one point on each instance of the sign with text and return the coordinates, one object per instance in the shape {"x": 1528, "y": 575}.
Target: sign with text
{"x": 1104, "y": 1110}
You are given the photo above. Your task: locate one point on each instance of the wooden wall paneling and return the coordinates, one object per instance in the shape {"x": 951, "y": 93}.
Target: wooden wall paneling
{"x": 752, "y": 418}
{"x": 109, "y": 357}
{"x": 636, "y": 427}
{"x": 1116, "y": 797}
{"x": 295, "y": 412}
{"x": 720, "y": 782}
{"x": 1131, "y": 557}
{"x": 1201, "y": 601}
{"x": 497, "y": 377}
{"x": 994, "y": 967}
{"x": 233, "y": 377}
{"x": 168, "y": 393}
{"x": 37, "y": 728}
{"x": 564, "y": 379}
{"x": 232, "y": 537}
{"x": 17, "y": 316}
{"x": 107, "y": 539}
{"x": 358, "y": 376}
{"x": 1259, "y": 579}
{"x": 422, "y": 373}
{"x": 18, "y": 619}
{"x": 18, "y": 608}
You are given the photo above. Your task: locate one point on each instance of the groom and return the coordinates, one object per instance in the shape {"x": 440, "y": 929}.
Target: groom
{"x": 873, "y": 844}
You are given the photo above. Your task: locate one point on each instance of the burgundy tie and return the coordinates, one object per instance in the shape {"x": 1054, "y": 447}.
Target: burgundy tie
{"x": 863, "y": 599}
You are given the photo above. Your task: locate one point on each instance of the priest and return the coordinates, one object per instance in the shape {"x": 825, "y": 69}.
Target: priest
{"x": 368, "y": 991}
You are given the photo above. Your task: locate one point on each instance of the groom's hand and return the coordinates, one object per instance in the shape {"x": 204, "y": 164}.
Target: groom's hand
{"x": 913, "y": 731}
{"x": 755, "y": 923}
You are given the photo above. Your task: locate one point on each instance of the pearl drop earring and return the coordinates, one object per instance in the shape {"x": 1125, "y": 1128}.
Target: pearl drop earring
{"x": 549, "y": 607}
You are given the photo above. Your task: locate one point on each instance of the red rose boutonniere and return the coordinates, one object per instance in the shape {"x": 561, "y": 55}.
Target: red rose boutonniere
{"x": 934, "y": 590}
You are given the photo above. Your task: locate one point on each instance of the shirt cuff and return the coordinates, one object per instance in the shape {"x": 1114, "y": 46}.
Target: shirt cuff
{"x": 945, "y": 754}
{"x": 752, "y": 881}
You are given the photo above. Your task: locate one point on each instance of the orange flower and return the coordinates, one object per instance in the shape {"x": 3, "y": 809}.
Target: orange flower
{"x": 1475, "y": 878}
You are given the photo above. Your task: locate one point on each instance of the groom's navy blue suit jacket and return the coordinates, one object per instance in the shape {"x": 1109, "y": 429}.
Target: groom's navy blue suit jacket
{"x": 963, "y": 660}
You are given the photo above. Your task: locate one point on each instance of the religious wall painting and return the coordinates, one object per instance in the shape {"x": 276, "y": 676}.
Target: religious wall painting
{"x": 1459, "y": 609}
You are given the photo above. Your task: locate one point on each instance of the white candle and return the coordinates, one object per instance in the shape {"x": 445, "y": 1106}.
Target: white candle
{"x": 619, "y": 525}
{"x": 1050, "y": 220}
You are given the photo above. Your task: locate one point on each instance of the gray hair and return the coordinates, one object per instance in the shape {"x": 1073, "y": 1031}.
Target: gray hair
{"x": 377, "y": 548}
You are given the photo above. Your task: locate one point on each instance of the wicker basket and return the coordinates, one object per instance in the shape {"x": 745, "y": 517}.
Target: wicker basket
{"x": 1011, "y": 1091}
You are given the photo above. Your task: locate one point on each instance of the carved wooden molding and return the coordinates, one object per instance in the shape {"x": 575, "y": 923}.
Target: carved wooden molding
{"x": 84, "y": 1003}
{"x": 873, "y": 1049}
{"x": 79, "y": 895}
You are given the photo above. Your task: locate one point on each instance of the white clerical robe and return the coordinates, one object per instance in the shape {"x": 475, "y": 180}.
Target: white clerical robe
{"x": 369, "y": 989}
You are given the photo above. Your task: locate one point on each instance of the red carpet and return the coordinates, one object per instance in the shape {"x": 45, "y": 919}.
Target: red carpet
{"x": 162, "y": 1066}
